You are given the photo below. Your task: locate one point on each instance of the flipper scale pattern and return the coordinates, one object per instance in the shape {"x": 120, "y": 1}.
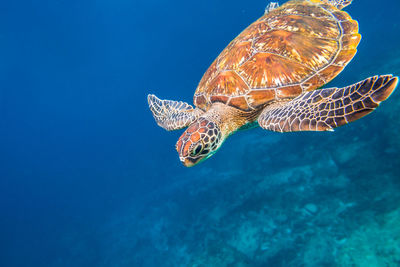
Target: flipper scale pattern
{"x": 325, "y": 109}
{"x": 172, "y": 115}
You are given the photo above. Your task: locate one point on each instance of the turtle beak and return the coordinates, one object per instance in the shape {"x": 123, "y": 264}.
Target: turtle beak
{"x": 187, "y": 162}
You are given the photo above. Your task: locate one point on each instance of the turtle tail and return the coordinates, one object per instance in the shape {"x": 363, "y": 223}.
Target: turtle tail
{"x": 340, "y": 4}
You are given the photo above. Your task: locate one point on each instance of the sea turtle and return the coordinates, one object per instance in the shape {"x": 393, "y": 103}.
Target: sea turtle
{"x": 267, "y": 76}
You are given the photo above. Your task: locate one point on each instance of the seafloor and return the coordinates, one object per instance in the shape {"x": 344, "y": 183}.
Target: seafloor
{"x": 304, "y": 199}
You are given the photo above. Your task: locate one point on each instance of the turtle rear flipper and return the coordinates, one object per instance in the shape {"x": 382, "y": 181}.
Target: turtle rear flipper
{"x": 271, "y": 6}
{"x": 338, "y": 3}
{"x": 325, "y": 109}
{"x": 172, "y": 115}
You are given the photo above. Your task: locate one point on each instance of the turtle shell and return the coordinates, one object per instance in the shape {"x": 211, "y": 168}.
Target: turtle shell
{"x": 297, "y": 47}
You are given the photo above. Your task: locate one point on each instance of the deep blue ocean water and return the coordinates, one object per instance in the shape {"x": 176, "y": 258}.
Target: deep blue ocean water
{"x": 87, "y": 178}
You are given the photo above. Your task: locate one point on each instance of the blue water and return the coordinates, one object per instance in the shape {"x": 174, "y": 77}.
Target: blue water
{"x": 88, "y": 179}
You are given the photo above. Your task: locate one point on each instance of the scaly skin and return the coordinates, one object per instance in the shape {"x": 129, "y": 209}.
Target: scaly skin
{"x": 205, "y": 136}
{"x": 265, "y": 77}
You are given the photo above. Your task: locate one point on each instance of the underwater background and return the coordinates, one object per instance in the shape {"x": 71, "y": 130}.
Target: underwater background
{"x": 87, "y": 178}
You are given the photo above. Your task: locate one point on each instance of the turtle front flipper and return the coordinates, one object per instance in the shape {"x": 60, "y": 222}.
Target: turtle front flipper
{"x": 172, "y": 115}
{"x": 325, "y": 109}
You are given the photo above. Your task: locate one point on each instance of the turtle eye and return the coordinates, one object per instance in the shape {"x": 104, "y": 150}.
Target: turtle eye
{"x": 197, "y": 150}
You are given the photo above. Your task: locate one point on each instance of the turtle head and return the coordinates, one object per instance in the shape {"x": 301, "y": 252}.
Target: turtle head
{"x": 199, "y": 142}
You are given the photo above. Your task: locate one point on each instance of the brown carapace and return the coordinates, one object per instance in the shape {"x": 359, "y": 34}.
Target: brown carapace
{"x": 268, "y": 76}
